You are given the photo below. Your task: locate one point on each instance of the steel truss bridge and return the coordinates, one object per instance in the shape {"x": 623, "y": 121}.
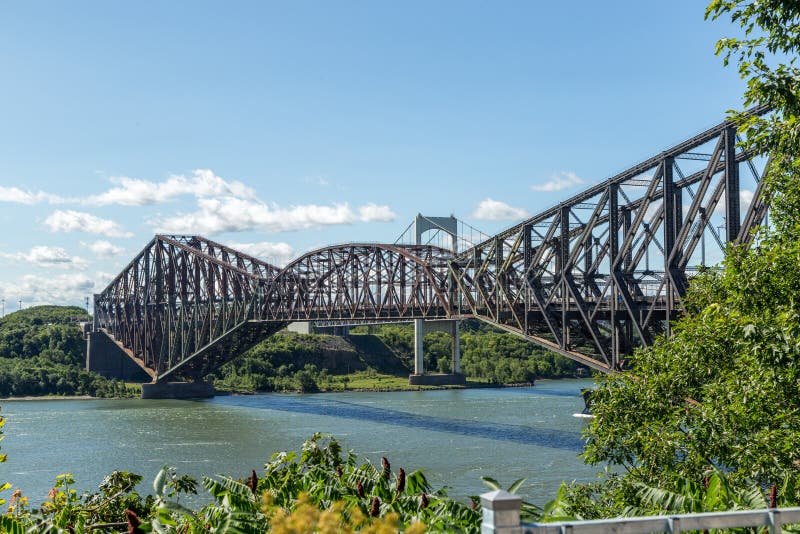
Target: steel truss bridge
{"x": 591, "y": 278}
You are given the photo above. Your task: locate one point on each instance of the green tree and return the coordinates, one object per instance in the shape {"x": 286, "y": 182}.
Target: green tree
{"x": 722, "y": 392}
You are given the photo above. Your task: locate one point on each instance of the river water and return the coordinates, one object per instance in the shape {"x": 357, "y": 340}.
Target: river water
{"x": 455, "y": 436}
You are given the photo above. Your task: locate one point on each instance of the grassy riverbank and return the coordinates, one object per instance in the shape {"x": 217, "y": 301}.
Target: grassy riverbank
{"x": 358, "y": 381}
{"x": 42, "y": 353}
{"x": 372, "y": 381}
{"x": 380, "y": 358}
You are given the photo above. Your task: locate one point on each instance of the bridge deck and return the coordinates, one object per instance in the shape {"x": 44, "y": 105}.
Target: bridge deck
{"x": 591, "y": 278}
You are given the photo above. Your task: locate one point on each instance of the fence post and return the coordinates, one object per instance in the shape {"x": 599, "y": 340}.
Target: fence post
{"x": 775, "y": 523}
{"x": 500, "y": 513}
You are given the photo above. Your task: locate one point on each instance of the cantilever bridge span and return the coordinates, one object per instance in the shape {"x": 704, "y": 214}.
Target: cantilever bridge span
{"x": 592, "y": 278}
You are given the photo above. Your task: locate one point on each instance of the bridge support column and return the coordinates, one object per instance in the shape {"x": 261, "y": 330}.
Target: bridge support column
{"x": 455, "y": 336}
{"x": 419, "y": 378}
{"x": 419, "y": 334}
{"x": 107, "y": 359}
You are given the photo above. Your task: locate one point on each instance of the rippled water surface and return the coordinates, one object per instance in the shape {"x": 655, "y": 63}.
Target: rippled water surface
{"x": 455, "y": 436}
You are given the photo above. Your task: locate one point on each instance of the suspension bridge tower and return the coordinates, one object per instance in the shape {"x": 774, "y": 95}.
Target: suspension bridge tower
{"x": 438, "y": 227}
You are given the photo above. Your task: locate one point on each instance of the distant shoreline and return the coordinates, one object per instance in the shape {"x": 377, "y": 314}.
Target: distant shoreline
{"x": 49, "y": 397}
{"x": 222, "y": 393}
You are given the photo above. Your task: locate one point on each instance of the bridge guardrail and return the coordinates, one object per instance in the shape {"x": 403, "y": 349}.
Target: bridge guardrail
{"x": 501, "y": 515}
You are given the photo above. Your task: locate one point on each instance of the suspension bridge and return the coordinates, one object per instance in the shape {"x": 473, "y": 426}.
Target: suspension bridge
{"x": 591, "y": 279}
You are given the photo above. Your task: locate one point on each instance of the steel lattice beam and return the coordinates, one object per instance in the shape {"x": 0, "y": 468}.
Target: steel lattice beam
{"x": 591, "y": 278}
{"x": 578, "y": 278}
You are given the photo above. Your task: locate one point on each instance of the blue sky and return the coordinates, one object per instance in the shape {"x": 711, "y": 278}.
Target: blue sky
{"x": 282, "y": 127}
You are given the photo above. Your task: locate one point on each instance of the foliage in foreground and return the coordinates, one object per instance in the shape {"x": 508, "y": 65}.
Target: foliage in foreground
{"x": 621, "y": 495}
{"x": 318, "y": 490}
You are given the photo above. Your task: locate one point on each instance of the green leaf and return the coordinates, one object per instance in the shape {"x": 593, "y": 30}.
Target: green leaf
{"x": 749, "y": 330}
{"x": 513, "y": 488}
{"x": 161, "y": 481}
{"x": 10, "y": 525}
{"x": 158, "y": 527}
{"x": 173, "y": 506}
{"x": 491, "y": 483}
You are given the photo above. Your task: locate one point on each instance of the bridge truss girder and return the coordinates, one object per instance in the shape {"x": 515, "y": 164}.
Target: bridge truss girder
{"x": 578, "y": 278}
{"x": 355, "y": 282}
{"x": 179, "y": 296}
{"x": 591, "y": 278}
{"x": 186, "y": 305}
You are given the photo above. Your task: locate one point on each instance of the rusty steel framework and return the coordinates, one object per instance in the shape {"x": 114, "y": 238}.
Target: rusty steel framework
{"x": 361, "y": 281}
{"x": 186, "y": 305}
{"x": 606, "y": 270}
{"x": 591, "y": 278}
{"x": 182, "y": 300}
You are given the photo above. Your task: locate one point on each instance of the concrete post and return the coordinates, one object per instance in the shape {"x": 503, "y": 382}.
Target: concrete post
{"x": 95, "y": 318}
{"x": 89, "y": 351}
{"x": 456, "y": 342}
{"x": 501, "y": 513}
{"x": 419, "y": 334}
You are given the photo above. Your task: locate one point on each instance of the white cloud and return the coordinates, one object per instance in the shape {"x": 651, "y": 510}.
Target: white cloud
{"x": 375, "y": 213}
{"x": 102, "y": 279}
{"x": 275, "y": 253}
{"x": 34, "y": 290}
{"x": 48, "y": 257}
{"x": 136, "y": 192}
{"x": 559, "y": 181}
{"x": 18, "y": 196}
{"x": 104, "y": 249}
{"x": 230, "y": 214}
{"x": 202, "y": 183}
{"x": 78, "y": 221}
{"x": 495, "y": 210}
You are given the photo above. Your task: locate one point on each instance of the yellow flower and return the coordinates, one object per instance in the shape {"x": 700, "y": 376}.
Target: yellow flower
{"x": 417, "y": 528}
{"x": 330, "y": 522}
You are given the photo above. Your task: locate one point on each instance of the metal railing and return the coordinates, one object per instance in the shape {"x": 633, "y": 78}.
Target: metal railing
{"x": 501, "y": 515}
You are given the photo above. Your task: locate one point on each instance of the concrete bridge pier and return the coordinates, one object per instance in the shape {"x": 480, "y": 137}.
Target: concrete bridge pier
{"x": 419, "y": 334}
{"x": 449, "y": 226}
{"x": 456, "y": 354}
{"x": 419, "y": 378}
{"x": 107, "y": 358}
